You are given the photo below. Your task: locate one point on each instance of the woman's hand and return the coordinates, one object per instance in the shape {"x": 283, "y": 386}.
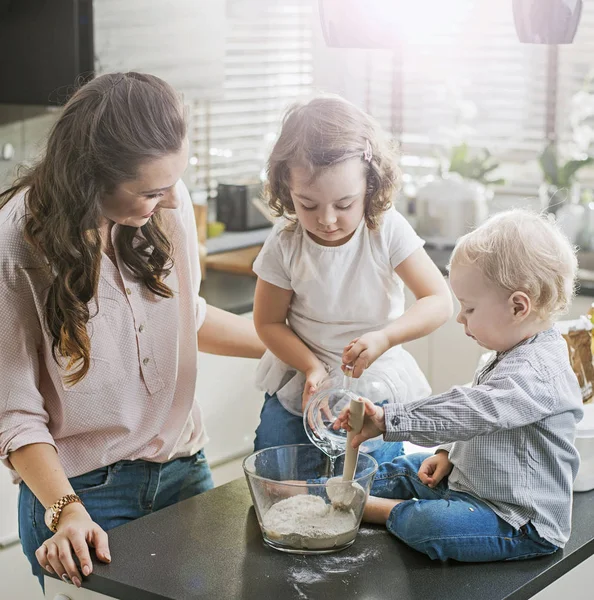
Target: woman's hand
{"x": 435, "y": 468}
{"x": 363, "y": 351}
{"x": 76, "y": 532}
{"x": 373, "y": 422}
{"x": 313, "y": 377}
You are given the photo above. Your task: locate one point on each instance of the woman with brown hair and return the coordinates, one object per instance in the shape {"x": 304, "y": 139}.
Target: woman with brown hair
{"x": 101, "y": 322}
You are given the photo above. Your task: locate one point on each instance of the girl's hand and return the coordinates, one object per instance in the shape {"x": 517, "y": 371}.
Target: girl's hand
{"x": 363, "y": 351}
{"x": 373, "y": 422}
{"x": 435, "y": 468}
{"x": 76, "y": 531}
{"x": 313, "y": 377}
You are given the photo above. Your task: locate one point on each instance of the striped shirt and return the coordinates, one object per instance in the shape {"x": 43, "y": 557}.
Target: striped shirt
{"x": 510, "y": 436}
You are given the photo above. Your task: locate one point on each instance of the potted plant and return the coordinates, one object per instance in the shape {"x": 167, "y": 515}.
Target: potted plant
{"x": 560, "y": 164}
{"x": 559, "y": 177}
{"x": 474, "y": 165}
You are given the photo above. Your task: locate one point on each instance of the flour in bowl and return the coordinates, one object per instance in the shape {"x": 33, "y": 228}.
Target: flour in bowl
{"x": 307, "y": 522}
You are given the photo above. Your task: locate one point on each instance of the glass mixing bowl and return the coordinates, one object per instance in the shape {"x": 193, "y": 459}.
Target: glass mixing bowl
{"x": 290, "y": 495}
{"x": 334, "y": 393}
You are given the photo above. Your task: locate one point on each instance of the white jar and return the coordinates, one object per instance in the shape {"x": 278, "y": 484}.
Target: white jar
{"x": 449, "y": 207}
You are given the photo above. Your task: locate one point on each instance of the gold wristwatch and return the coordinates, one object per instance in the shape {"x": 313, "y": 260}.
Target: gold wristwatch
{"x": 52, "y": 514}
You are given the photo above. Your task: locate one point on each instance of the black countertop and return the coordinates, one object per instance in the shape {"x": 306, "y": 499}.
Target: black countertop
{"x": 210, "y": 546}
{"x": 235, "y": 293}
{"x": 229, "y": 291}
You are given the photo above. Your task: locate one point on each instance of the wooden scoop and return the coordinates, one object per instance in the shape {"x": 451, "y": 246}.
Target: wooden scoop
{"x": 357, "y": 413}
{"x": 343, "y": 491}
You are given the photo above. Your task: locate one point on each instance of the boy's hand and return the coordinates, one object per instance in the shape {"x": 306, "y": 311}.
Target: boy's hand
{"x": 363, "y": 351}
{"x": 373, "y": 422}
{"x": 435, "y": 468}
{"x": 313, "y": 377}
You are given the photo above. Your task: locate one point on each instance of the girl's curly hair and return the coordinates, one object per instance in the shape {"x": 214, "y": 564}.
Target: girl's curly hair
{"x": 325, "y": 132}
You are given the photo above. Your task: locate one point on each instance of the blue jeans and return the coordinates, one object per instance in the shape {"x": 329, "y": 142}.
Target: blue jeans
{"x": 444, "y": 524}
{"x": 117, "y": 494}
{"x": 279, "y": 427}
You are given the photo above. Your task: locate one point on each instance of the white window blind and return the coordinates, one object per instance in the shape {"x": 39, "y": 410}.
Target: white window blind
{"x": 461, "y": 73}
{"x": 575, "y": 66}
{"x": 268, "y": 65}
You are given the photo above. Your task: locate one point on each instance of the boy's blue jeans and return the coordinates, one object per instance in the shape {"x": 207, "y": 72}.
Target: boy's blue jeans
{"x": 279, "y": 427}
{"x": 445, "y": 524}
{"x": 117, "y": 494}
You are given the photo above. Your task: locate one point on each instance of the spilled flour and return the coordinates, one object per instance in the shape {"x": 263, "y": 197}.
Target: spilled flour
{"x": 342, "y": 570}
{"x": 307, "y": 522}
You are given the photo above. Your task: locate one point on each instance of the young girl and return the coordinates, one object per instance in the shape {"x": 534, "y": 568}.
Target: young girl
{"x": 331, "y": 274}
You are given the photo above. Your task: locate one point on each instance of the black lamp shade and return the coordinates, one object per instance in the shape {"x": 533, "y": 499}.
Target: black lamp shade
{"x": 376, "y": 23}
{"x": 547, "y": 21}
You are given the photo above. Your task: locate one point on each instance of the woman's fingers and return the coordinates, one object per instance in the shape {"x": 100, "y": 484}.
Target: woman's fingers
{"x": 81, "y": 549}
{"x": 99, "y": 541}
{"x": 42, "y": 559}
{"x": 67, "y": 560}
{"x": 56, "y": 555}
{"x": 54, "y": 561}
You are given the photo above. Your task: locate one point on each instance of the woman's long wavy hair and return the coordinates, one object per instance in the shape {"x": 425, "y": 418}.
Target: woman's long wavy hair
{"x": 109, "y": 127}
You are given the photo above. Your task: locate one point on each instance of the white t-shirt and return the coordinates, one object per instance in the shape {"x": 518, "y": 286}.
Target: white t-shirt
{"x": 339, "y": 294}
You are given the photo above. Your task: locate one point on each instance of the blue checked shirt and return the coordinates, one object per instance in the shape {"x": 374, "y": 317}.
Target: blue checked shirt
{"x": 510, "y": 436}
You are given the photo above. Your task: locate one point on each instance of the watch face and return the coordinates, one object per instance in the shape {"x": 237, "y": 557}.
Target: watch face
{"x": 48, "y": 517}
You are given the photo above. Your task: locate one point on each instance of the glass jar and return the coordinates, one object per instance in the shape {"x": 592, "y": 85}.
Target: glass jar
{"x": 333, "y": 395}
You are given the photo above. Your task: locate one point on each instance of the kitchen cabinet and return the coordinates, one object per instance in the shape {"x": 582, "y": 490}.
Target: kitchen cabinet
{"x": 58, "y": 590}
{"x": 447, "y": 356}
{"x": 181, "y": 41}
{"x": 230, "y": 404}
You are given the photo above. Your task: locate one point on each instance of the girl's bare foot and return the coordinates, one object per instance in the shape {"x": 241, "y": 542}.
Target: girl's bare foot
{"x": 377, "y": 510}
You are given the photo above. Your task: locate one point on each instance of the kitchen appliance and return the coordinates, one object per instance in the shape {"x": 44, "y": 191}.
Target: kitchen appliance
{"x": 449, "y": 207}
{"x": 241, "y": 208}
{"x": 45, "y": 46}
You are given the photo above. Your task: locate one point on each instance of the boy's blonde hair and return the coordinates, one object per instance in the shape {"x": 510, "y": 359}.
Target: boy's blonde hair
{"x": 520, "y": 250}
{"x": 325, "y": 132}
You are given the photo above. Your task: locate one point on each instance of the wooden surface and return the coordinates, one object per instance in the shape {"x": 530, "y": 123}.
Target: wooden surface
{"x": 236, "y": 261}
{"x": 201, "y": 216}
